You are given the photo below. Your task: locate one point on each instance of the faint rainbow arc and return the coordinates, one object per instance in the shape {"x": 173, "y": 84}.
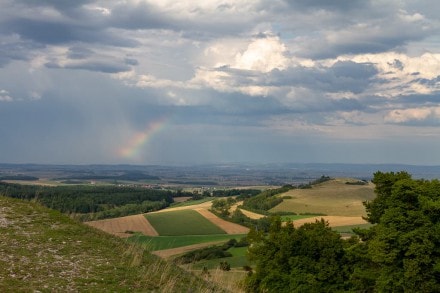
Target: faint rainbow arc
{"x": 134, "y": 146}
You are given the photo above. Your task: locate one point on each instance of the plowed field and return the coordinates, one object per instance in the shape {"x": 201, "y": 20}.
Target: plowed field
{"x": 120, "y": 226}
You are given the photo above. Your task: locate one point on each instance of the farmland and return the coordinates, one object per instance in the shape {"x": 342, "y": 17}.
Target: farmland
{"x": 185, "y": 222}
{"x": 332, "y": 198}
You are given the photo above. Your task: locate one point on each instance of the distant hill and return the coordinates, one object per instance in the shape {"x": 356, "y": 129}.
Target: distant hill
{"x": 42, "y": 250}
{"x": 336, "y": 197}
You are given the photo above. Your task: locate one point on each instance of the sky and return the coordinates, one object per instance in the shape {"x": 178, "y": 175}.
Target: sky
{"x": 228, "y": 81}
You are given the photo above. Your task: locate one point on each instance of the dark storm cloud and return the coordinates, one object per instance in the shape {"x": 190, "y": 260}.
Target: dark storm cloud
{"x": 140, "y": 15}
{"x": 91, "y": 74}
{"x": 342, "y": 76}
{"x": 106, "y": 67}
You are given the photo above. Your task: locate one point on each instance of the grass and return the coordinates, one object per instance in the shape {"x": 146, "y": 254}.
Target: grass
{"x": 184, "y": 222}
{"x": 154, "y": 243}
{"x": 349, "y": 229}
{"x": 333, "y": 198}
{"x": 42, "y": 250}
{"x": 237, "y": 260}
{"x": 191, "y": 202}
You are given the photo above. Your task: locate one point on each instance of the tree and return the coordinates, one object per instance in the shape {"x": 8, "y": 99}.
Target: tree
{"x": 405, "y": 243}
{"x": 305, "y": 259}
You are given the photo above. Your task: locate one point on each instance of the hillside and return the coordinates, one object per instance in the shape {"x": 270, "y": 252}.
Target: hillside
{"x": 44, "y": 250}
{"x": 336, "y": 197}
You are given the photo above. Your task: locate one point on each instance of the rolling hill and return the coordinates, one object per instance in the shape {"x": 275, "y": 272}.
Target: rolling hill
{"x": 44, "y": 250}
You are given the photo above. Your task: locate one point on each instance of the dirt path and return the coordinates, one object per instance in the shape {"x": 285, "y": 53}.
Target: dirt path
{"x": 334, "y": 221}
{"x": 166, "y": 253}
{"x": 119, "y": 226}
{"x": 228, "y": 227}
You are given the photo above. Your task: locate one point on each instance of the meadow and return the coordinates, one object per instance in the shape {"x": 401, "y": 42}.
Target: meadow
{"x": 183, "y": 222}
{"x": 154, "y": 243}
{"x": 333, "y": 198}
{"x": 237, "y": 260}
{"x": 42, "y": 250}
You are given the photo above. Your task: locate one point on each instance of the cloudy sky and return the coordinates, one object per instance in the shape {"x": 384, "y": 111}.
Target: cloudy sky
{"x": 190, "y": 82}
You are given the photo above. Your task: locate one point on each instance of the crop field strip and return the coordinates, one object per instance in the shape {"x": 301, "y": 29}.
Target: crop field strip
{"x": 228, "y": 227}
{"x": 125, "y": 226}
{"x": 169, "y": 242}
{"x": 183, "y": 222}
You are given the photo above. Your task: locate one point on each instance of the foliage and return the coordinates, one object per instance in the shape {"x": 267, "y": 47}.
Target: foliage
{"x": 222, "y": 206}
{"x": 304, "y": 259}
{"x": 105, "y": 201}
{"x": 399, "y": 253}
{"x": 225, "y": 266}
{"x": 309, "y": 185}
{"x": 128, "y": 209}
{"x": 240, "y": 193}
{"x": 18, "y": 177}
{"x": 405, "y": 243}
{"x": 265, "y": 200}
{"x": 211, "y": 252}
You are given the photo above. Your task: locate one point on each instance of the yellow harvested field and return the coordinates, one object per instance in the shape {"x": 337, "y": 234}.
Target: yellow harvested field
{"x": 228, "y": 227}
{"x": 120, "y": 226}
{"x": 334, "y": 221}
{"x": 205, "y": 205}
{"x": 252, "y": 215}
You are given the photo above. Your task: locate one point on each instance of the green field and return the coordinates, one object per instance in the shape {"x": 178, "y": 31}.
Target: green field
{"x": 237, "y": 260}
{"x": 185, "y": 222}
{"x": 154, "y": 243}
{"x": 349, "y": 229}
{"x": 333, "y": 198}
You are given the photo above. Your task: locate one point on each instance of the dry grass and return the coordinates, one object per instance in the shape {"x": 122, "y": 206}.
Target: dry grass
{"x": 44, "y": 251}
{"x": 333, "y": 198}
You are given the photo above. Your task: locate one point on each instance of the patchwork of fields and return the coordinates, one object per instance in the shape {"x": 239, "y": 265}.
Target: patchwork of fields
{"x": 190, "y": 225}
{"x": 184, "y": 222}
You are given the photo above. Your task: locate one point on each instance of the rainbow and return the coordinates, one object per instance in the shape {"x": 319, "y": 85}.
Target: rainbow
{"x": 132, "y": 149}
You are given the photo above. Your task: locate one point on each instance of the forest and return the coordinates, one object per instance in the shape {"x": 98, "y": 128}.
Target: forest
{"x": 91, "y": 202}
{"x": 399, "y": 253}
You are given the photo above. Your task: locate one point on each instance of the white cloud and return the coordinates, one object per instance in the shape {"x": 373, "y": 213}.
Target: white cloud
{"x": 5, "y": 96}
{"x": 413, "y": 115}
{"x": 263, "y": 54}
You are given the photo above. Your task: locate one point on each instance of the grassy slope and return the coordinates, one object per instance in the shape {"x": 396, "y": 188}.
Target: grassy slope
{"x": 154, "y": 243}
{"x": 43, "y": 250}
{"x": 184, "y": 222}
{"x": 333, "y": 197}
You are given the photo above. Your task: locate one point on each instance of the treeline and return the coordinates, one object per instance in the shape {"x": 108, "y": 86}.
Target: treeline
{"x": 96, "y": 201}
{"x": 19, "y": 177}
{"x": 400, "y": 253}
{"x": 222, "y": 207}
{"x": 321, "y": 179}
{"x": 266, "y": 200}
{"x": 241, "y": 193}
{"x": 211, "y": 252}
